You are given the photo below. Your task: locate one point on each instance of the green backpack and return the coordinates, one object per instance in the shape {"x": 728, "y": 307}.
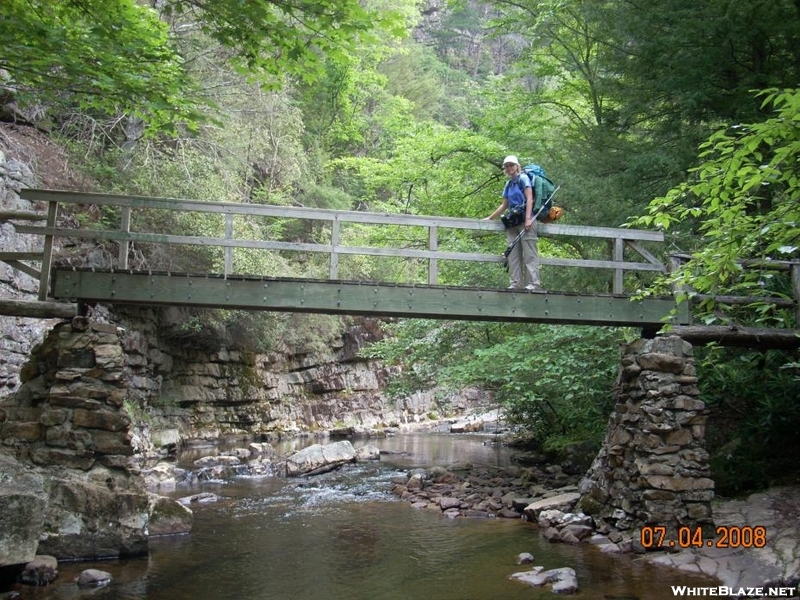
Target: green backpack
{"x": 543, "y": 190}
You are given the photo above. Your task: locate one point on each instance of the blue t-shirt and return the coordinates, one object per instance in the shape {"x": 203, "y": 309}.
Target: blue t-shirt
{"x": 513, "y": 192}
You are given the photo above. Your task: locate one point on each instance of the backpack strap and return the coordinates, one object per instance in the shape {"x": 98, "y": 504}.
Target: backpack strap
{"x": 531, "y": 178}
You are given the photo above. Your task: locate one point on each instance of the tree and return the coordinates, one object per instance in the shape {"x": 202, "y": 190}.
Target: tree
{"x": 741, "y": 205}
{"x": 120, "y": 57}
{"x": 113, "y": 57}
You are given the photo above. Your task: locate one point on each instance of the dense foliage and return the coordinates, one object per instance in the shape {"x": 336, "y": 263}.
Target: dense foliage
{"x": 753, "y": 416}
{"x": 739, "y": 216}
{"x": 125, "y": 58}
{"x": 677, "y": 114}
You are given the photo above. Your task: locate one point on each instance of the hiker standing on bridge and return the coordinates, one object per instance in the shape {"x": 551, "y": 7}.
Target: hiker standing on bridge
{"x": 523, "y": 260}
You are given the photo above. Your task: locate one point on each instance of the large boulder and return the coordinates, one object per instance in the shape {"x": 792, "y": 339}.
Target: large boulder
{"x": 22, "y": 509}
{"x": 319, "y": 458}
{"x": 98, "y": 516}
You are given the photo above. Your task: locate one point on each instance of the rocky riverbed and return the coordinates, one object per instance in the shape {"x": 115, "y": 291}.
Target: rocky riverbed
{"x": 548, "y": 495}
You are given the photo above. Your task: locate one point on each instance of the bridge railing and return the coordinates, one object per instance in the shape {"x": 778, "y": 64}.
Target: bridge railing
{"x": 618, "y": 239}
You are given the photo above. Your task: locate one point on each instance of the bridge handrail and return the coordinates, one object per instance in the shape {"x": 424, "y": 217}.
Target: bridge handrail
{"x": 323, "y": 214}
{"x": 620, "y": 237}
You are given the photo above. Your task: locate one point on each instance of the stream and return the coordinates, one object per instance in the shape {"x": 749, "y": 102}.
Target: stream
{"x": 344, "y": 536}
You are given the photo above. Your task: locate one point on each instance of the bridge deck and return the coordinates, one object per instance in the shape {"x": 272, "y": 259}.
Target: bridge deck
{"x": 362, "y": 298}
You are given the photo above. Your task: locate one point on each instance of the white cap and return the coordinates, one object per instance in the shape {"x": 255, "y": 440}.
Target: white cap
{"x": 511, "y": 159}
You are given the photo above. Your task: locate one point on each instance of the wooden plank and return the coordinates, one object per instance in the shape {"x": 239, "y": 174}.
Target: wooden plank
{"x": 600, "y": 232}
{"x": 333, "y": 272}
{"x": 743, "y": 300}
{"x": 643, "y": 252}
{"x": 47, "y": 252}
{"x": 750, "y": 263}
{"x": 363, "y": 299}
{"x": 796, "y": 291}
{"x": 228, "y": 250}
{"x": 37, "y": 310}
{"x": 619, "y": 249}
{"x": 599, "y": 264}
{"x": 263, "y": 210}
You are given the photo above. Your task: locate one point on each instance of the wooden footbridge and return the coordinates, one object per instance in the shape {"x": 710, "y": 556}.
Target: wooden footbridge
{"x": 62, "y": 285}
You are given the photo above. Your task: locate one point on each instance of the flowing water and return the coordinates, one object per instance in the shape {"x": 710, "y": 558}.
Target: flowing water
{"x": 343, "y": 536}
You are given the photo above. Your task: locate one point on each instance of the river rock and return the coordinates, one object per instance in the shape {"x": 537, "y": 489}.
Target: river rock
{"x": 563, "y": 502}
{"x": 368, "y": 452}
{"x": 524, "y": 558}
{"x": 165, "y": 437}
{"x": 319, "y": 456}
{"x": 475, "y": 491}
{"x": 217, "y": 461}
{"x": 105, "y": 516}
{"x": 261, "y": 449}
{"x": 168, "y": 517}
{"x": 41, "y": 571}
{"x": 563, "y": 580}
{"x": 93, "y": 578}
{"x": 166, "y": 476}
{"x": 466, "y": 426}
{"x": 202, "y": 498}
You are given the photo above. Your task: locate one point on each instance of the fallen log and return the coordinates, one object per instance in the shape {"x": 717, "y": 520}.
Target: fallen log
{"x": 758, "y": 338}
{"x": 38, "y": 309}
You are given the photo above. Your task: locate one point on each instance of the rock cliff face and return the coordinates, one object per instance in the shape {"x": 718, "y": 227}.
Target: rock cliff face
{"x": 17, "y": 335}
{"x": 202, "y": 394}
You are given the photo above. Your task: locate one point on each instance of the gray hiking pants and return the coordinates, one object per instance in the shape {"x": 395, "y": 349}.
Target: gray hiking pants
{"x": 523, "y": 262}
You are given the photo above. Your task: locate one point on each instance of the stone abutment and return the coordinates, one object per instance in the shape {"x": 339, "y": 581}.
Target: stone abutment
{"x": 653, "y": 468}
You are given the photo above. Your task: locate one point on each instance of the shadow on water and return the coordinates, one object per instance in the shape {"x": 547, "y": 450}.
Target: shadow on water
{"x": 343, "y": 536}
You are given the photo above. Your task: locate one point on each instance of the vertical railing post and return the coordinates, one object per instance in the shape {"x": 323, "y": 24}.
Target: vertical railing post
{"x": 796, "y": 292}
{"x": 228, "y": 249}
{"x": 335, "y": 232}
{"x": 124, "y": 245}
{"x": 673, "y": 266}
{"x": 619, "y": 247}
{"x": 47, "y": 251}
{"x": 433, "y": 246}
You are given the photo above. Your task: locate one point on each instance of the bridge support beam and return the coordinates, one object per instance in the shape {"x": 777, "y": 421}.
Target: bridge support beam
{"x": 373, "y": 299}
